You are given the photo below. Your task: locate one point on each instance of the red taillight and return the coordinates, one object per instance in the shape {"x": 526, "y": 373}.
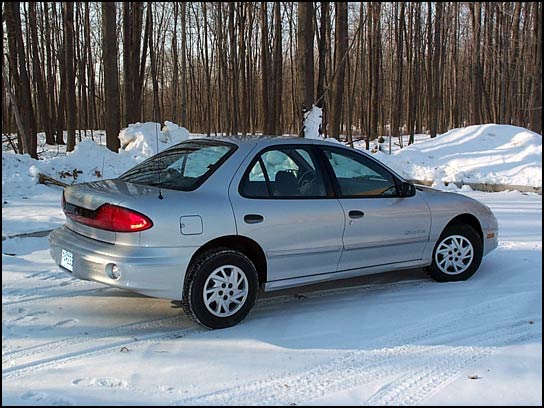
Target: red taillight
{"x": 113, "y": 218}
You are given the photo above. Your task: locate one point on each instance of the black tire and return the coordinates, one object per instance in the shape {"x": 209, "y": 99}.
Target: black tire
{"x": 193, "y": 297}
{"x": 472, "y": 236}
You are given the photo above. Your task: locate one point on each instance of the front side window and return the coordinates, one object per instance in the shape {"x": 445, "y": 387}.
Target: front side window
{"x": 358, "y": 176}
{"x": 284, "y": 173}
{"x": 182, "y": 167}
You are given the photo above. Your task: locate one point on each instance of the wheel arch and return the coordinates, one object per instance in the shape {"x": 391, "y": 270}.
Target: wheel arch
{"x": 467, "y": 219}
{"x": 245, "y": 245}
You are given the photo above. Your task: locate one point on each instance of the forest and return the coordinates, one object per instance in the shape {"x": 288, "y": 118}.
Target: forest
{"x": 374, "y": 68}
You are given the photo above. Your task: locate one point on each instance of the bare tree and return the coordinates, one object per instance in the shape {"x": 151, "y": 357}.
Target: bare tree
{"x": 21, "y": 100}
{"x": 277, "y": 82}
{"x": 397, "y": 107}
{"x": 111, "y": 76}
{"x": 340, "y": 49}
{"x": 70, "y": 75}
{"x": 152, "y": 57}
{"x": 39, "y": 80}
{"x": 268, "y": 125}
{"x": 475, "y": 14}
{"x": 535, "y": 107}
{"x": 435, "y": 75}
{"x": 305, "y": 56}
{"x": 374, "y": 38}
{"x": 249, "y": 67}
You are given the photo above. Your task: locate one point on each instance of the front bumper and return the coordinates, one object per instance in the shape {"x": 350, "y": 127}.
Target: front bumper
{"x": 157, "y": 272}
{"x": 491, "y": 240}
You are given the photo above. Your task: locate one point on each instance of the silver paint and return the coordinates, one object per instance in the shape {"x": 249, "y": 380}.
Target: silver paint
{"x": 304, "y": 240}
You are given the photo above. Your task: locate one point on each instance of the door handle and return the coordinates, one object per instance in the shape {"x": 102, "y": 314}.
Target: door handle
{"x": 253, "y": 218}
{"x": 356, "y": 214}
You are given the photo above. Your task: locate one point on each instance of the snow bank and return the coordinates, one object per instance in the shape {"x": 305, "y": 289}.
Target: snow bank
{"x": 16, "y": 176}
{"x": 90, "y": 160}
{"x": 494, "y": 154}
{"x": 139, "y": 140}
{"x": 174, "y": 133}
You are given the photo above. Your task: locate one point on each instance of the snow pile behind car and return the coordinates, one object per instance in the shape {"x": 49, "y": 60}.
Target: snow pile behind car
{"x": 494, "y": 154}
{"x": 142, "y": 140}
{"x": 90, "y": 160}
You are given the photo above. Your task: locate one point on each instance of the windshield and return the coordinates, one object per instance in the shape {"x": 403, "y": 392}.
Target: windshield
{"x": 182, "y": 167}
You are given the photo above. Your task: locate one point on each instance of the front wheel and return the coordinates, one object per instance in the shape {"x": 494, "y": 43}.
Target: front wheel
{"x": 457, "y": 254}
{"x": 220, "y": 288}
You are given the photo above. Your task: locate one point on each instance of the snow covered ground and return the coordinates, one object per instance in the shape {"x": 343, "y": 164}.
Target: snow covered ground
{"x": 396, "y": 338}
{"x": 390, "y": 339}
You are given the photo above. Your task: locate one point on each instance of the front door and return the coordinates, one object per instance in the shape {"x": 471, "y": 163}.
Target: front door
{"x": 381, "y": 227}
{"x": 284, "y": 203}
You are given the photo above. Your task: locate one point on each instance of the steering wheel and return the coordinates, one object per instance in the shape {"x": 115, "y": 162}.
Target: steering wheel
{"x": 172, "y": 173}
{"x": 308, "y": 177}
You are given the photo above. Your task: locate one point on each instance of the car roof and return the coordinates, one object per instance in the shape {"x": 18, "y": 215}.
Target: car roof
{"x": 264, "y": 140}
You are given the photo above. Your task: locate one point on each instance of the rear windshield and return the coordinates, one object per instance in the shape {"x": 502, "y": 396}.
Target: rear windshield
{"x": 182, "y": 167}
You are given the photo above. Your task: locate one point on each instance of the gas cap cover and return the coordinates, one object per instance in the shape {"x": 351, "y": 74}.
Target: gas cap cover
{"x": 190, "y": 225}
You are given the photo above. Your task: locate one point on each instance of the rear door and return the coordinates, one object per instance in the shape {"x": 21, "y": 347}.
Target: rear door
{"x": 282, "y": 200}
{"x": 381, "y": 227}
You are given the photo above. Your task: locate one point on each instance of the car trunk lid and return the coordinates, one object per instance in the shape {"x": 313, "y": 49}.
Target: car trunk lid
{"x": 84, "y": 199}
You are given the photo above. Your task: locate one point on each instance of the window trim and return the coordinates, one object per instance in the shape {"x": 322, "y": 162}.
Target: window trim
{"x": 350, "y": 153}
{"x": 315, "y": 154}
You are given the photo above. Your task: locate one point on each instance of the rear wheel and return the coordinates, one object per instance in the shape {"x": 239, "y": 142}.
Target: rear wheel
{"x": 457, "y": 254}
{"x": 220, "y": 288}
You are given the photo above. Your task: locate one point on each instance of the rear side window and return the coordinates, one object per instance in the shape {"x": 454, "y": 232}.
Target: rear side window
{"x": 286, "y": 172}
{"x": 182, "y": 167}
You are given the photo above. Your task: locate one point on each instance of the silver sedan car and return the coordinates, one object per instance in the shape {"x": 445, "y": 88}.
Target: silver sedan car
{"x": 210, "y": 220}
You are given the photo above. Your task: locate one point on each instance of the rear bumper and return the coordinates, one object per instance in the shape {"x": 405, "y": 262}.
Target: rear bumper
{"x": 156, "y": 272}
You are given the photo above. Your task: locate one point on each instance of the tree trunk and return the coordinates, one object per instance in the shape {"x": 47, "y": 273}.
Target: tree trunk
{"x": 39, "y": 77}
{"x": 398, "y": 105}
{"x": 435, "y": 84}
{"x": 111, "y": 78}
{"x": 133, "y": 77}
{"x": 375, "y": 62}
{"x": 268, "y": 125}
{"x": 175, "y": 69}
{"x": 321, "y": 75}
{"x": 233, "y": 64}
{"x": 535, "y": 107}
{"x": 70, "y": 75}
{"x": 184, "y": 83}
{"x": 152, "y": 57}
{"x": 476, "y": 117}
{"x": 305, "y": 57}
{"x": 21, "y": 81}
{"x": 340, "y": 50}
{"x": 277, "y": 82}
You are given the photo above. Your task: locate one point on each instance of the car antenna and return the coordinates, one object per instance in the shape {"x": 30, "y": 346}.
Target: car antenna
{"x": 158, "y": 161}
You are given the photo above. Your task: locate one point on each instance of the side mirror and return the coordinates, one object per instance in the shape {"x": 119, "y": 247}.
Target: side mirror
{"x": 407, "y": 189}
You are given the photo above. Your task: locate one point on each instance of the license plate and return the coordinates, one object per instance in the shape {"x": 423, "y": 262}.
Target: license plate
{"x": 67, "y": 260}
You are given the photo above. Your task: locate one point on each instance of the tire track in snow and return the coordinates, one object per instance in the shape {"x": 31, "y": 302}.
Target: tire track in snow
{"x": 37, "y": 298}
{"x": 126, "y": 329}
{"x": 10, "y": 358}
{"x": 59, "y": 361}
{"x": 62, "y": 283}
{"x": 437, "y": 363}
{"x": 18, "y": 370}
{"x": 444, "y": 366}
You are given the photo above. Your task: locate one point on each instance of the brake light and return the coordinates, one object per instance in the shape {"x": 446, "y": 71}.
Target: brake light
{"x": 111, "y": 218}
